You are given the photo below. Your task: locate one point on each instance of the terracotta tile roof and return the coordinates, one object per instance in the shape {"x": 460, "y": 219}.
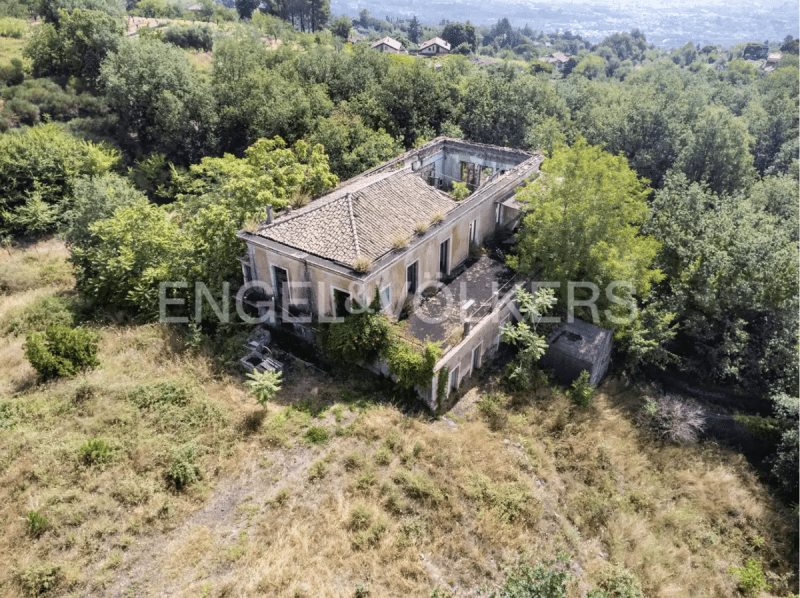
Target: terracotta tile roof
{"x": 389, "y": 41}
{"x": 359, "y": 218}
{"x": 436, "y": 40}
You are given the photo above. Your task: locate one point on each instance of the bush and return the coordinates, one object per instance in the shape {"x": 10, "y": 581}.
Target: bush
{"x": 37, "y": 523}
{"x": 511, "y": 502}
{"x": 581, "y": 392}
{"x": 95, "y": 451}
{"x": 492, "y": 410}
{"x": 265, "y": 385}
{"x": 361, "y": 338}
{"x": 183, "y": 470}
{"x": 360, "y": 518}
{"x": 318, "y": 470}
{"x": 751, "y": 578}
{"x": 198, "y": 37}
{"x": 317, "y": 435}
{"x": 63, "y": 351}
{"x": 39, "y": 578}
{"x": 671, "y": 419}
{"x": 534, "y": 581}
{"x": 12, "y": 27}
{"x": 411, "y": 367}
{"x": 617, "y": 583}
{"x": 160, "y": 395}
{"x": 12, "y": 74}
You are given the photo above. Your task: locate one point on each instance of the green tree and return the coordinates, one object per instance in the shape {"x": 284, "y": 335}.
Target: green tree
{"x": 39, "y": 167}
{"x": 96, "y": 198}
{"x": 74, "y": 46}
{"x": 162, "y": 102}
{"x": 246, "y": 8}
{"x": 532, "y": 346}
{"x": 341, "y": 26}
{"x": 52, "y": 10}
{"x": 582, "y": 223}
{"x": 732, "y": 265}
{"x": 352, "y": 147}
{"x": 718, "y": 152}
{"x": 590, "y": 67}
{"x": 126, "y": 256}
{"x": 414, "y": 30}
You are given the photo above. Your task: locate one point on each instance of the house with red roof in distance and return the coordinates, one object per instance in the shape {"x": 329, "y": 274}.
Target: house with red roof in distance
{"x": 387, "y": 44}
{"x": 434, "y": 47}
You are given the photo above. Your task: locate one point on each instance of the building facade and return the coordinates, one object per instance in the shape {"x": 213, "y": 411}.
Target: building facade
{"x": 396, "y": 231}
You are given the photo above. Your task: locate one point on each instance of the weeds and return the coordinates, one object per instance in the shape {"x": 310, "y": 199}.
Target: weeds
{"x": 318, "y": 470}
{"x": 95, "y": 451}
{"x": 39, "y": 578}
{"x": 317, "y": 435}
{"x": 37, "y": 523}
{"x": 671, "y": 419}
{"x": 752, "y": 580}
{"x": 184, "y": 470}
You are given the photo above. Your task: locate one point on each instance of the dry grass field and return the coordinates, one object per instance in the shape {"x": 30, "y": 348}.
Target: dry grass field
{"x": 331, "y": 492}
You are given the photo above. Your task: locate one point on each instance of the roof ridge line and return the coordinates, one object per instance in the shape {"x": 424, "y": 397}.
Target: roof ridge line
{"x": 348, "y": 197}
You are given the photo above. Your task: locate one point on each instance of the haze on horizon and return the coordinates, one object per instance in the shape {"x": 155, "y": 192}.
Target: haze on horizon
{"x": 666, "y": 23}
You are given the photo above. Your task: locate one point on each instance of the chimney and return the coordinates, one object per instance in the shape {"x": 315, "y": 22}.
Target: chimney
{"x": 467, "y": 328}
{"x": 270, "y": 214}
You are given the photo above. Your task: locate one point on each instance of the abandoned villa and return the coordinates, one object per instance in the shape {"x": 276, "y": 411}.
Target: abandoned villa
{"x": 396, "y": 231}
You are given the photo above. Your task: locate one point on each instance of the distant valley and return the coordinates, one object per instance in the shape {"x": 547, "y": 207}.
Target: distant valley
{"x": 667, "y": 25}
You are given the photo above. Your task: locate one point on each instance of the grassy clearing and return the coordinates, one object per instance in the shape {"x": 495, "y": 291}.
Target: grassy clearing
{"x": 157, "y": 472}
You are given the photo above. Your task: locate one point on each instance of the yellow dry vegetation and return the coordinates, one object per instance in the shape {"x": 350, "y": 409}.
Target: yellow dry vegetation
{"x": 394, "y": 504}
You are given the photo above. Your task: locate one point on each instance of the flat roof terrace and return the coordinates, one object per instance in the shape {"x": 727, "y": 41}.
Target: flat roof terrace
{"x": 440, "y": 308}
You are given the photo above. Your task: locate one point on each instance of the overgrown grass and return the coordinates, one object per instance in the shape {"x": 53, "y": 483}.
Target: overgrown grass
{"x": 398, "y": 504}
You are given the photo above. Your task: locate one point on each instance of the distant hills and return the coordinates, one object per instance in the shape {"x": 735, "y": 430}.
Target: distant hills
{"x": 666, "y": 24}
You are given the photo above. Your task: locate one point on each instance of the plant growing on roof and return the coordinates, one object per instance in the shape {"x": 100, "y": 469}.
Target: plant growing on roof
{"x": 362, "y": 264}
{"x": 398, "y": 240}
{"x": 420, "y": 226}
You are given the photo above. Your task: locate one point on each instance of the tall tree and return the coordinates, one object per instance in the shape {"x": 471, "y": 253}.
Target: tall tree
{"x": 582, "y": 223}
{"x": 162, "y": 102}
{"x": 414, "y": 30}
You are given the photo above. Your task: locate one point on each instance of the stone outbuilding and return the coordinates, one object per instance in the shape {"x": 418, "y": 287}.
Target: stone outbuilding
{"x": 578, "y": 346}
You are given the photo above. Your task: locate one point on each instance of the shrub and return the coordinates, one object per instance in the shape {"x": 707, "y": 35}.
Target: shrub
{"x": 534, "y": 581}
{"x": 193, "y": 36}
{"x": 411, "y": 367}
{"x": 183, "y": 470}
{"x": 265, "y": 385}
{"x": 617, "y": 583}
{"x": 460, "y": 191}
{"x": 317, "y": 435}
{"x": 354, "y": 461}
{"x": 581, "y": 391}
{"x": 12, "y": 27}
{"x": 492, "y": 410}
{"x": 318, "y": 470}
{"x": 419, "y": 486}
{"x": 63, "y": 351}
{"x": 360, "y": 518}
{"x": 361, "y": 338}
{"x": 45, "y": 311}
{"x": 37, "y": 523}
{"x": 162, "y": 394}
{"x": 383, "y": 456}
{"x": 511, "y": 502}
{"x": 281, "y": 497}
{"x": 95, "y": 451}
{"x": 371, "y": 536}
{"x": 39, "y": 578}
{"x": 12, "y": 74}
{"x": 671, "y": 419}
{"x": 751, "y": 578}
